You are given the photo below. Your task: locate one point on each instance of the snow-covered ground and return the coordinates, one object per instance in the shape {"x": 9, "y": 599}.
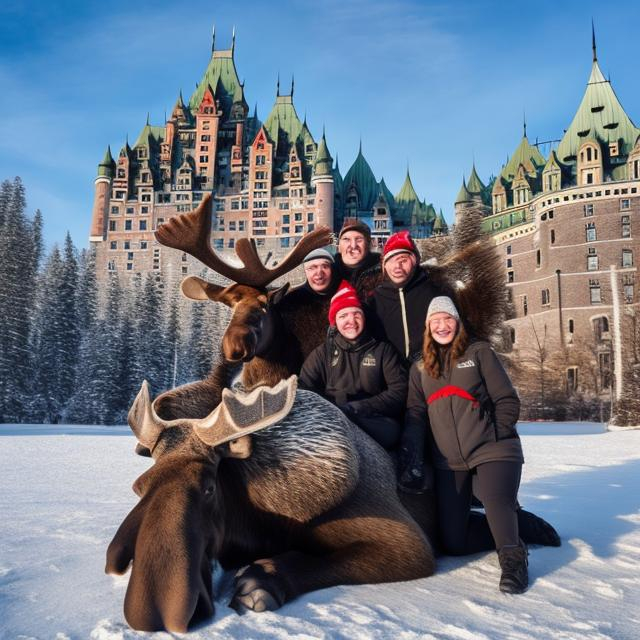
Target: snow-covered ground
{"x": 63, "y": 496}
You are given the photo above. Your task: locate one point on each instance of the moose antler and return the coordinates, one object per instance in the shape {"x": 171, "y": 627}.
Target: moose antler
{"x": 190, "y": 232}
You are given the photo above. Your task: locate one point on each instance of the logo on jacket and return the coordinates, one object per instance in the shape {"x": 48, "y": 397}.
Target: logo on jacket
{"x": 369, "y": 360}
{"x": 335, "y": 358}
{"x": 466, "y": 364}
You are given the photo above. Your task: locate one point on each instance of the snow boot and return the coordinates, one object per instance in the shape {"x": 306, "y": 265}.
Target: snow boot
{"x": 535, "y": 530}
{"x": 513, "y": 562}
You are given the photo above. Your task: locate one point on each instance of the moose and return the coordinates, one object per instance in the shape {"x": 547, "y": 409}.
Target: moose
{"x": 268, "y": 334}
{"x": 275, "y": 482}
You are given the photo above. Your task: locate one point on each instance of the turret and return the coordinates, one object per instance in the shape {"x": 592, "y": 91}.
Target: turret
{"x": 101, "y": 198}
{"x": 322, "y": 180}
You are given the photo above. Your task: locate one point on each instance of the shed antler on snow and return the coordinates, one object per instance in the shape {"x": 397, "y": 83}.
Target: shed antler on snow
{"x": 191, "y": 232}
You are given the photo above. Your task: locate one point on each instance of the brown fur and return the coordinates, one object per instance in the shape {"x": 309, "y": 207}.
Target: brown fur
{"x": 314, "y": 505}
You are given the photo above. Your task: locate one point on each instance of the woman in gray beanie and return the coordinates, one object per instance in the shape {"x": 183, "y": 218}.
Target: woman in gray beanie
{"x": 462, "y": 403}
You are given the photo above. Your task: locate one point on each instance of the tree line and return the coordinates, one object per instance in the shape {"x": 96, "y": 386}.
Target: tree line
{"x": 74, "y": 348}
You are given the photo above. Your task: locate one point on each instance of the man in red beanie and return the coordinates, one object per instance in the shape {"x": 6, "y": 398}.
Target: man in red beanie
{"x": 401, "y": 301}
{"x": 361, "y": 375}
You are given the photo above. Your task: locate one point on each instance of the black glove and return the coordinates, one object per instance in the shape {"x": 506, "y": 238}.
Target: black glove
{"x": 349, "y": 410}
{"x": 412, "y": 472}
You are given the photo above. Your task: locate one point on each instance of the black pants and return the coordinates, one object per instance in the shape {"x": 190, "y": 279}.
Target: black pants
{"x": 383, "y": 429}
{"x": 464, "y": 531}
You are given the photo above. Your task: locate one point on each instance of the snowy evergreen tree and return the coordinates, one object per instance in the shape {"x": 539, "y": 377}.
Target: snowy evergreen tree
{"x": 18, "y": 270}
{"x": 173, "y": 344}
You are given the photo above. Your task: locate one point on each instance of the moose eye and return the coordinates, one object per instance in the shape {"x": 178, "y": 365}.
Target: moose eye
{"x": 209, "y": 490}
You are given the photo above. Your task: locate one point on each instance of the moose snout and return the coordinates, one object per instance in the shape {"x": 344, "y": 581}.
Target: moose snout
{"x": 240, "y": 346}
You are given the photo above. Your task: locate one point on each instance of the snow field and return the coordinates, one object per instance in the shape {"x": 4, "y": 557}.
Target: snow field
{"x": 63, "y": 497}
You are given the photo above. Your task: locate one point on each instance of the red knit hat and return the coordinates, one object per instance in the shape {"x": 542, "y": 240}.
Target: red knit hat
{"x": 345, "y": 297}
{"x": 400, "y": 242}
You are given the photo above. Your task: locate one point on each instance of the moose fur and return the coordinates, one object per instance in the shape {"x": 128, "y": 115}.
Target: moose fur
{"x": 307, "y": 503}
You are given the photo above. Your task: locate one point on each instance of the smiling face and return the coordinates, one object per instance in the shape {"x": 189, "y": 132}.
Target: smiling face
{"x": 443, "y": 327}
{"x": 353, "y": 248}
{"x": 399, "y": 267}
{"x": 350, "y": 322}
{"x": 318, "y": 274}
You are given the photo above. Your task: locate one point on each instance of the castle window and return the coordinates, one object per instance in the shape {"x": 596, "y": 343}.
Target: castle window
{"x": 115, "y": 211}
{"x": 512, "y": 333}
{"x": 601, "y": 328}
{"x": 113, "y": 225}
{"x": 205, "y": 138}
{"x": 241, "y": 225}
{"x": 235, "y": 205}
{"x": 591, "y": 232}
{"x": 297, "y": 217}
{"x": 595, "y": 294}
{"x": 310, "y": 227}
{"x": 525, "y": 305}
{"x": 111, "y": 265}
{"x": 588, "y": 178}
{"x": 538, "y": 258}
{"x": 231, "y": 243}
{"x": 546, "y": 298}
{"x": 130, "y": 255}
{"x": 126, "y": 245}
{"x": 113, "y": 245}
{"x": 572, "y": 379}
{"x": 588, "y": 210}
{"x": 628, "y": 293}
{"x": 204, "y": 158}
{"x": 636, "y": 169}
{"x": 143, "y": 244}
{"x": 142, "y": 152}
{"x": 119, "y": 195}
{"x": 626, "y": 227}
{"x": 285, "y": 229}
{"x": 592, "y": 263}
{"x": 510, "y": 276}
{"x": 310, "y": 216}
{"x": 283, "y": 205}
{"x": 144, "y": 209}
{"x": 185, "y": 271}
{"x": 508, "y": 249}
{"x": 261, "y": 160}
{"x": 284, "y": 243}
{"x": 146, "y": 197}
{"x": 627, "y": 258}
{"x": 614, "y": 149}
{"x": 571, "y": 326}
{"x": 204, "y": 147}
{"x": 509, "y": 263}
{"x": 156, "y": 253}
{"x": 143, "y": 225}
{"x": 552, "y": 236}
{"x": 298, "y": 228}
{"x": 121, "y": 173}
{"x": 625, "y": 203}
{"x": 127, "y": 225}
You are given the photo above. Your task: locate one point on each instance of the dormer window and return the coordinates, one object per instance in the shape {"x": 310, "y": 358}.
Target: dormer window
{"x": 614, "y": 149}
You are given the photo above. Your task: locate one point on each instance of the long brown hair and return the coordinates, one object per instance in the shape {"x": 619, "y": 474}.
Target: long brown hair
{"x": 437, "y": 358}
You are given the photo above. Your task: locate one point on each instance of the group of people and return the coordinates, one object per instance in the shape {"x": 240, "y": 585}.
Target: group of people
{"x": 402, "y": 364}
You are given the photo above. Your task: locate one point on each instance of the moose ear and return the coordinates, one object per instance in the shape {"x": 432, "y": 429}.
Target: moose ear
{"x": 276, "y": 296}
{"x": 240, "y": 448}
{"x": 196, "y": 288}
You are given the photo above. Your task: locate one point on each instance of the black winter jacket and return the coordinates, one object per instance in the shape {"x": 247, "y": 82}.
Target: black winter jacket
{"x": 367, "y": 374}
{"x": 401, "y": 311}
{"x": 363, "y": 277}
{"x": 463, "y": 432}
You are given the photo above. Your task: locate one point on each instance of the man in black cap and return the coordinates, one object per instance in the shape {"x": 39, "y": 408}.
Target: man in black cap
{"x": 355, "y": 262}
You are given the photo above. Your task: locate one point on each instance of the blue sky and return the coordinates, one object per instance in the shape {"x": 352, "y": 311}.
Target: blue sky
{"x": 433, "y": 85}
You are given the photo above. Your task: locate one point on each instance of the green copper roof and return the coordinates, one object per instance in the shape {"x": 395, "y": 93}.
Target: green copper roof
{"x": 149, "y": 131}
{"x": 463, "y": 194}
{"x": 105, "y": 168}
{"x": 221, "y": 75}
{"x": 362, "y": 176}
{"x": 283, "y": 118}
{"x": 474, "y": 184}
{"x": 338, "y": 183}
{"x": 388, "y": 196}
{"x": 407, "y": 193}
{"x": 599, "y": 116}
{"x": 430, "y": 213}
{"x": 527, "y": 155}
{"x": 323, "y": 162}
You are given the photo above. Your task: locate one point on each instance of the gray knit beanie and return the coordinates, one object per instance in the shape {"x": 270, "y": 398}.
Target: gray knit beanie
{"x": 443, "y": 304}
{"x": 318, "y": 254}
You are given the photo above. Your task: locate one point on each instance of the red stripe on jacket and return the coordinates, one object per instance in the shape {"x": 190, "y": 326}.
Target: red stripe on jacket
{"x": 452, "y": 390}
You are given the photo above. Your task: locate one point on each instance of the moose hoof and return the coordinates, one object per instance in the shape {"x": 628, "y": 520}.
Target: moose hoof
{"x": 256, "y": 590}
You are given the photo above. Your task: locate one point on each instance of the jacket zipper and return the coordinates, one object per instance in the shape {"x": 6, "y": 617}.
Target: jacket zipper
{"x": 405, "y": 328}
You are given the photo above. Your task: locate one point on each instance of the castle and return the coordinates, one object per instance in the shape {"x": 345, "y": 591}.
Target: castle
{"x": 271, "y": 181}
{"x": 567, "y": 226}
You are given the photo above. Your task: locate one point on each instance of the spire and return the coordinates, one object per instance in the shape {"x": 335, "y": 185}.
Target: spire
{"x": 292, "y": 87}
{"x": 463, "y": 194}
{"x": 593, "y": 41}
{"x": 278, "y": 85}
{"x": 524, "y": 123}
{"x": 323, "y": 160}
{"x": 255, "y": 111}
{"x": 147, "y": 123}
{"x": 233, "y": 39}
{"x": 213, "y": 39}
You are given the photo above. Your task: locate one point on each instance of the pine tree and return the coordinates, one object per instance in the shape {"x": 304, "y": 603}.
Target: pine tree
{"x": 18, "y": 270}
{"x": 172, "y": 340}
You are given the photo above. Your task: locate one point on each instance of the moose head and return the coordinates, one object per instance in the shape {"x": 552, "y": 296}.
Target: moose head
{"x": 179, "y": 524}
{"x": 252, "y": 325}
